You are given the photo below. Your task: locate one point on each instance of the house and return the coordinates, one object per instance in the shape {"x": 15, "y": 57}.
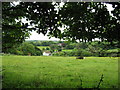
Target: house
{"x": 61, "y": 44}
{"x": 46, "y": 53}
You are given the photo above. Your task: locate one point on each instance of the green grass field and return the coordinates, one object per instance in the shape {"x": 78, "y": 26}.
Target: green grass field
{"x": 41, "y": 47}
{"x": 59, "y": 72}
{"x": 113, "y": 50}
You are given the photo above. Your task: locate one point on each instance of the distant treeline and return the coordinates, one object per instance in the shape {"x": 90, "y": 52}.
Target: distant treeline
{"x": 64, "y": 48}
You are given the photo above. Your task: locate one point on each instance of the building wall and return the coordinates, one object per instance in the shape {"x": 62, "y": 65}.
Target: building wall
{"x": 46, "y": 54}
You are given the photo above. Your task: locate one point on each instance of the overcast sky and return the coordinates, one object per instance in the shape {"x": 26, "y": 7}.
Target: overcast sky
{"x": 36, "y": 36}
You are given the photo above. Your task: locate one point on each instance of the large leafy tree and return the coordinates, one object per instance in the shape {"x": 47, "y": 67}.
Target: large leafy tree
{"x": 41, "y": 17}
{"x": 13, "y": 32}
{"x": 82, "y": 21}
{"x": 87, "y": 21}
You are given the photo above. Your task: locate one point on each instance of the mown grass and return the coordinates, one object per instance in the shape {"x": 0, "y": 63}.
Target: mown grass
{"x": 58, "y": 72}
{"x": 113, "y": 50}
{"x": 67, "y": 50}
{"x": 41, "y": 47}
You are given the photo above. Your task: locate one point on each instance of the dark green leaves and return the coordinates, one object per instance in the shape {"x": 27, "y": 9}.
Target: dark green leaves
{"x": 83, "y": 21}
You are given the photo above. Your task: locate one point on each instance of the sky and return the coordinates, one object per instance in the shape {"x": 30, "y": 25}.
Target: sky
{"x": 36, "y": 36}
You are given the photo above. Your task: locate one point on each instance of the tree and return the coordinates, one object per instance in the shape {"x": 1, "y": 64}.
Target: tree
{"x": 84, "y": 21}
{"x": 47, "y": 48}
{"x": 38, "y": 52}
{"x": 79, "y": 53}
{"x": 59, "y": 48}
{"x": 27, "y": 48}
{"x": 53, "y": 47}
{"x": 81, "y": 45}
{"x": 14, "y": 31}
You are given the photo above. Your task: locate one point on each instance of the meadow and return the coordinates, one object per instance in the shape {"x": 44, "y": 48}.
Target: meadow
{"x": 59, "y": 72}
{"x": 41, "y": 47}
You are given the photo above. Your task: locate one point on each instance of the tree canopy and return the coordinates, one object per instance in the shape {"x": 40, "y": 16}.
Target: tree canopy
{"x": 87, "y": 21}
{"x": 83, "y": 21}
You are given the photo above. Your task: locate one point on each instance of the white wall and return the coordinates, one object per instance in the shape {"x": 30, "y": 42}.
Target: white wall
{"x": 46, "y": 54}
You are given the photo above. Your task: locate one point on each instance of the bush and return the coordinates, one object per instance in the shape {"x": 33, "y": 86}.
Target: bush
{"x": 26, "y": 49}
{"x": 69, "y": 46}
{"x": 86, "y": 53}
{"x": 79, "y": 52}
{"x": 37, "y": 52}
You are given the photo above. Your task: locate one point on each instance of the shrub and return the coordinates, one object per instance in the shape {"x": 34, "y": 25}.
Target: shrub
{"x": 79, "y": 52}
{"x": 87, "y": 53}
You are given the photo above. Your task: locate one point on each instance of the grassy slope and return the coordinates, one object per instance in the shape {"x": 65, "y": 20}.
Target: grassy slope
{"x": 113, "y": 50}
{"x": 61, "y": 72}
{"x": 41, "y": 47}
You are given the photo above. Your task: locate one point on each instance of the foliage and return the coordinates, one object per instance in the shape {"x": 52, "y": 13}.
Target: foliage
{"x": 16, "y": 30}
{"x": 13, "y": 33}
{"x": 84, "y": 21}
{"x": 94, "y": 48}
{"x": 38, "y": 52}
{"x": 69, "y": 46}
{"x": 26, "y": 49}
{"x": 67, "y": 50}
{"x": 55, "y": 47}
{"x": 81, "y": 45}
{"x": 79, "y": 53}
